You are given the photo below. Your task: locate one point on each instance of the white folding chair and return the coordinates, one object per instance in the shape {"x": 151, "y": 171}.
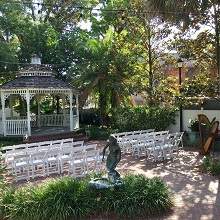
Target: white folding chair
{"x": 38, "y": 164}
{"x": 77, "y": 144}
{"x": 138, "y": 147}
{"x": 154, "y": 149}
{"x": 20, "y": 167}
{"x": 52, "y": 161}
{"x": 65, "y": 158}
{"x": 67, "y": 141}
{"x": 92, "y": 161}
{"x": 77, "y": 165}
{"x": 179, "y": 140}
{"x": 10, "y": 154}
{"x": 90, "y": 147}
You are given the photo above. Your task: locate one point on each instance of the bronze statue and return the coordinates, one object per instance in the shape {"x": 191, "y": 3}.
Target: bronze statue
{"x": 113, "y": 159}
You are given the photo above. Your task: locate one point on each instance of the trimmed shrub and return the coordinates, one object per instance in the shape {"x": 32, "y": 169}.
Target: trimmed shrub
{"x": 140, "y": 118}
{"x": 68, "y": 198}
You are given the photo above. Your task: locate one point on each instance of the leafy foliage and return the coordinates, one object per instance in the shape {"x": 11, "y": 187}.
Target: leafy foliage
{"x": 139, "y": 118}
{"x": 70, "y": 198}
{"x": 2, "y": 170}
{"x": 194, "y": 125}
{"x": 99, "y": 132}
{"x": 211, "y": 165}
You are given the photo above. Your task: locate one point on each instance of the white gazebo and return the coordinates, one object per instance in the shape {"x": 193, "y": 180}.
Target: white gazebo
{"x": 33, "y": 82}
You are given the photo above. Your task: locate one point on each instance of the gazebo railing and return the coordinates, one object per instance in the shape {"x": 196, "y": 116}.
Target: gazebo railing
{"x": 54, "y": 120}
{"x": 50, "y": 120}
{"x": 19, "y": 127}
{"x": 16, "y": 127}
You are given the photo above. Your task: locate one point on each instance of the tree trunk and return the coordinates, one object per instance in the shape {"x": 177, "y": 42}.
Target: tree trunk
{"x": 86, "y": 92}
{"x": 217, "y": 40}
{"x": 150, "y": 63}
{"x": 115, "y": 99}
{"x": 102, "y": 101}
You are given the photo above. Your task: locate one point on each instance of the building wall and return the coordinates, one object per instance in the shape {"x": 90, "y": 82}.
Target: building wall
{"x": 193, "y": 114}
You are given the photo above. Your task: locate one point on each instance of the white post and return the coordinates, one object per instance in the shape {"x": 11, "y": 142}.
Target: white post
{"x": 28, "y": 112}
{"x": 3, "y": 113}
{"x": 77, "y": 111}
{"x": 38, "y": 112}
{"x": 71, "y": 110}
{"x": 64, "y": 112}
{"x": 11, "y": 106}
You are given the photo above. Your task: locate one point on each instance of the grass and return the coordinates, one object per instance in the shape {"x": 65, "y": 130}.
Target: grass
{"x": 69, "y": 198}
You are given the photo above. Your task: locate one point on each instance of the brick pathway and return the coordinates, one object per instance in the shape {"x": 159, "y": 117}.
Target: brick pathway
{"x": 197, "y": 195}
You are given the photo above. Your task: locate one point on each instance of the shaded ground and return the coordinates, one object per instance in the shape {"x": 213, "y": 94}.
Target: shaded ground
{"x": 197, "y": 195}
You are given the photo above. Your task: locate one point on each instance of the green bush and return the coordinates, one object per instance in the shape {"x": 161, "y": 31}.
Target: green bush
{"x": 2, "y": 170}
{"x": 98, "y": 133}
{"x": 4, "y": 141}
{"x": 211, "y": 165}
{"x": 140, "y": 118}
{"x": 68, "y": 198}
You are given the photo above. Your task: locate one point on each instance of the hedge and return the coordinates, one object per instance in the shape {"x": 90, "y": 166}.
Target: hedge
{"x": 68, "y": 198}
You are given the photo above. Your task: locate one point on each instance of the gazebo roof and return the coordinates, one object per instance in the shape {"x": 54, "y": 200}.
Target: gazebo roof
{"x": 38, "y": 77}
{"x": 36, "y": 82}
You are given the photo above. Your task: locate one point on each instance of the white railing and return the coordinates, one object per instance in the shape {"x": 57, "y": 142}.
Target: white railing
{"x": 51, "y": 120}
{"x": 20, "y": 126}
{"x": 16, "y": 127}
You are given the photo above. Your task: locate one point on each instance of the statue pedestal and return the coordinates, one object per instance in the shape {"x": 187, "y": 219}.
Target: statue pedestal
{"x": 104, "y": 183}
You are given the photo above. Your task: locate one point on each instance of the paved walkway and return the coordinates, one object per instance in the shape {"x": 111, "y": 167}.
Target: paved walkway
{"x": 197, "y": 195}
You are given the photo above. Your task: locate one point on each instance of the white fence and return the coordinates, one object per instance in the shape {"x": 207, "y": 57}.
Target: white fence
{"x": 16, "y": 127}
{"x": 54, "y": 120}
{"x": 51, "y": 120}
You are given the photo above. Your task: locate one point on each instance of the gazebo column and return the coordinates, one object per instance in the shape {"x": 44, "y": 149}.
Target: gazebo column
{"x": 64, "y": 112}
{"x": 28, "y": 112}
{"x": 38, "y": 112}
{"x": 11, "y": 106}
{"x": 3, "y": 113}
{"x": 71, "y": 111}
{"x": 77, "y": 111}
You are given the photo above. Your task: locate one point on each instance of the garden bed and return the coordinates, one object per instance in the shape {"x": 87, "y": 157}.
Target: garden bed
{"x": 68, "y": 198}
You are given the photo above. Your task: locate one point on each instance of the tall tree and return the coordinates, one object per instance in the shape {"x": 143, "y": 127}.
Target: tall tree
{"x": 194, "y": 14}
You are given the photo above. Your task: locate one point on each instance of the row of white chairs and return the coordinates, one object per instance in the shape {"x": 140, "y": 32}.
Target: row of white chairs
{"x": 156, "y": 145}
{"x": 45, "y": 158}
{"x": 76, "y": 161}
{"x": 159, "y": 148}
{"x": 8, "y": 149}
{"x": 126, "y": 142}
{"x": 131, "y": 133}
{"x": 36, "y": 147}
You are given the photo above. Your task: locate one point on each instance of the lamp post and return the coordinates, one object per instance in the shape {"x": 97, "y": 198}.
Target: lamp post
{"x": 180, "y": 65}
